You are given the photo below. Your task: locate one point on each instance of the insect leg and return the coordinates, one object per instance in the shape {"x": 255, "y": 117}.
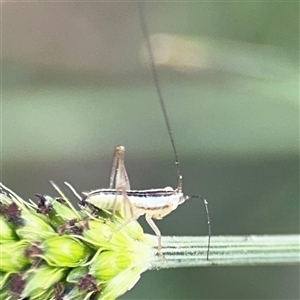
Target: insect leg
{"x": 119, "y": 167}
{"x": 156, "y": 230}
{"x": 124, "y": 225}
{"x": 121, "y": 180}
{"x": 112, "y": 179}
{"x": 113, "y": 169}
{"x": 121, "y": 177}
{"x": 127, "y": 203}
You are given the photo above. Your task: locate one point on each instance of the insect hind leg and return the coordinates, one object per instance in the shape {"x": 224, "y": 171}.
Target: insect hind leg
{"x": 126, "y": 204}
{"x": 120, "y": 177}
{"x": 118, "y": 173}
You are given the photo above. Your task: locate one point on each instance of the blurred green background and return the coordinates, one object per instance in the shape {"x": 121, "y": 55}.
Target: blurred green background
{"x": 74, "y": 87}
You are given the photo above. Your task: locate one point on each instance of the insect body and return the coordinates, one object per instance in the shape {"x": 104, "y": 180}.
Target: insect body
{"x": 154, "y": 203}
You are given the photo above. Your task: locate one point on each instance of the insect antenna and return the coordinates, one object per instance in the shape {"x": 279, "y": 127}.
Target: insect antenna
{"x": 165, "y": 114}
{"x": 208, "y": 221}
{"x": 158, "y": 90}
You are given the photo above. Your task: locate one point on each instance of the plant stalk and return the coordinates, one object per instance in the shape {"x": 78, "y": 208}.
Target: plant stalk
{"x": 251, "y": 250}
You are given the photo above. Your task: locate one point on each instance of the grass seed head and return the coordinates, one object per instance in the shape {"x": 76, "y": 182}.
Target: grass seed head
{"x": 52, "y": 251}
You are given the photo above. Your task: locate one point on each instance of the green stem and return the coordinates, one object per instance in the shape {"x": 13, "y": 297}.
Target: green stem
{"x": 249, "y": 250}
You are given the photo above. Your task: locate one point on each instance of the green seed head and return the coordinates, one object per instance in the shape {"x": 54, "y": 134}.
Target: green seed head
{"x": 33, "y": 226}
{"x": 109, "y": 264}
{"x": 6, "y": 231}
{"x": 51, "y": 251}
{"x": 39, "y": 282}
{"x": 64, "y": 251}
{"x": 12, "y": 256}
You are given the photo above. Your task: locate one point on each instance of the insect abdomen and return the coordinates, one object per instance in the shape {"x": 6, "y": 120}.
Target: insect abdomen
{"x": 144, "y": 201}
